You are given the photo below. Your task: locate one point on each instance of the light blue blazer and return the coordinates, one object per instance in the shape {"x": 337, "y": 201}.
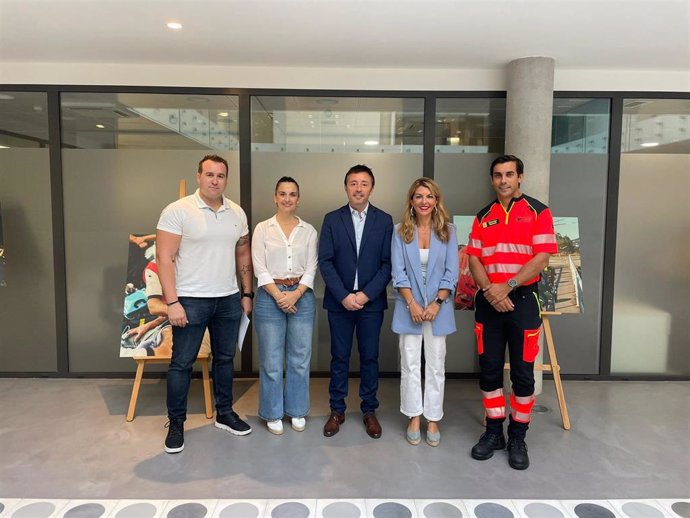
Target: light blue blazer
{"x": 442, "y": 273}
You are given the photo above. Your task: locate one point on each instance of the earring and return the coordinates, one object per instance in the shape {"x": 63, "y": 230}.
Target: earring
{"x": 412, "y": 211}
{"x": 435, "y": 209}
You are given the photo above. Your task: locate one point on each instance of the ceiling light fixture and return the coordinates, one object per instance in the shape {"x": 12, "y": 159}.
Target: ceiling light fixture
{"x": 223, "y": 114}
{"x": 175, "y": 26}
{"x": 6, "y": 97}
{"x": 649, "y": 144}
{"x": 100, "y": 126}
{"x": 371, "y": 142}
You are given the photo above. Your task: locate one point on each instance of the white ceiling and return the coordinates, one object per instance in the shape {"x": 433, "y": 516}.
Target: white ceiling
{"x": 452, "y": 34}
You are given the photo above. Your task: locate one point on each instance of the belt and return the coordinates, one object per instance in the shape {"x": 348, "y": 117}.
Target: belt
{"x": 288, "y": 282}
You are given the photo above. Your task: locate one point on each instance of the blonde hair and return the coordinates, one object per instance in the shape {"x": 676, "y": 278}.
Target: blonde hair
{"x": 439, "y": 218}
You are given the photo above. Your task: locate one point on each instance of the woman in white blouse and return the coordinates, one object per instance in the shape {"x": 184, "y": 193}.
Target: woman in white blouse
{"x": 285, "y": 259}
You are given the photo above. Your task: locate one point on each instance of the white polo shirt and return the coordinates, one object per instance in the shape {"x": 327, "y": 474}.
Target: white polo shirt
{"x": 205, "y": 260}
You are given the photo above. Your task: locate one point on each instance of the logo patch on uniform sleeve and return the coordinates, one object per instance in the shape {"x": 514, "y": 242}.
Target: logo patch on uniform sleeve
{"x": 490, "y": 223}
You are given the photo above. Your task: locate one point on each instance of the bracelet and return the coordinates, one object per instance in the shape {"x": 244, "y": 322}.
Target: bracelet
{"x": 409, "y": 303}
{"x": 173, "y": 303}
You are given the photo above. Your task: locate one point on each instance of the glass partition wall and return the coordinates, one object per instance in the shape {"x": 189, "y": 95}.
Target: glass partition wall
{"x": 123, "y": 158}
{"x": 121, "y": 155}
{"x": 27, "y": 278}
{"x": 316, "y": 140}
{"x": 651, "y": 329}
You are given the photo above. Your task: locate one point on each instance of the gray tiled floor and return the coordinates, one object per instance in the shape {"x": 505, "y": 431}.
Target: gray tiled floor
{"x": 68, "y": 439}
{"x": 356, "y": 508}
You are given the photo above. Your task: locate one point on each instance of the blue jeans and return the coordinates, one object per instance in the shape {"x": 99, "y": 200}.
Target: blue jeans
{"x": 222, "y": 317}
{"x": 284, "y": 340}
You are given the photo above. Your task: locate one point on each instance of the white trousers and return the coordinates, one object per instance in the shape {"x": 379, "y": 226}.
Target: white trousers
{"x": 412, "y": 403}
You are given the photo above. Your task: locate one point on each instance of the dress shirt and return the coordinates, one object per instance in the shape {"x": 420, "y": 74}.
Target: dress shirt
{"x": 276, "y": 257}
{"x": 358, "y": 220}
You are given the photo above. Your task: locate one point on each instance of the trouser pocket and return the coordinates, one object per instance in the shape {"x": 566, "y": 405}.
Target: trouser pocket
{"x": 479, "y": 334}
{"x": 530, "y": 346}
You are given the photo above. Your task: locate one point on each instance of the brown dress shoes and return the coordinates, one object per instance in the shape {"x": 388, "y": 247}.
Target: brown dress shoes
{"x": 372, "y": 425}
{"x": 333, "y": 423}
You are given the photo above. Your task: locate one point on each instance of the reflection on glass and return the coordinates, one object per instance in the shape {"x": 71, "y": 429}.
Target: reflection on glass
{"x": 337, "y": 125}
{"x": 656, "y": 126}
{"x": 470, "y": 125}
{"x": 27, "y": 285}
{"x": 652, "y": 285}
{"x": 580, "y": 126}
{"x": 159, "y": 121}
{"x": 23, "y": 120}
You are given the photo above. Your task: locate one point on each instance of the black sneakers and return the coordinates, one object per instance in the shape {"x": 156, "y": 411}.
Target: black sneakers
{"x": 232, "y": 423}
{"x": 517, "y": 453}
{"x": 488, "y": 442}
{"x": 174, "y": 442}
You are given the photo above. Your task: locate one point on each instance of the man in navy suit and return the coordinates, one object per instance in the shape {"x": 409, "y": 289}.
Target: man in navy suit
{"x": 355, "y": 263}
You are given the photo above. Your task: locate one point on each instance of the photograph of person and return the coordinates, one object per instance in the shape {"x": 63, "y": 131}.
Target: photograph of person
{"x": 146, "y": 330}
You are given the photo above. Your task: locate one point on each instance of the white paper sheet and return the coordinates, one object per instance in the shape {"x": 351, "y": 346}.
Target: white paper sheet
{"x": 244, "y": 325}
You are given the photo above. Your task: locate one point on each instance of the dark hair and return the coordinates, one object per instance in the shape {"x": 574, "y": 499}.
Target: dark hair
{"x": 360, "y": 168}
{"x": 519, "y": 166}
{"x": 287, "y": 179}
{"x": 213, "y": 158}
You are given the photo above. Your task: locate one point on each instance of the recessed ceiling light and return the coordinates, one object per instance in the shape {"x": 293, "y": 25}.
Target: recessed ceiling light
{"x": 371, "y": 142}
{"x": 100, "y": 126}
{"x": 223, "y": 114}
{"x": 649, "y": 144}
{"x": 176, "y": 26}
{"x": 6, "y": 97}
{"x": 4, "y": 147}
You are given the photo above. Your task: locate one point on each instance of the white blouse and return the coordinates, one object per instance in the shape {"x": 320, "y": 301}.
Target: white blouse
{"x": 274, "y": 256}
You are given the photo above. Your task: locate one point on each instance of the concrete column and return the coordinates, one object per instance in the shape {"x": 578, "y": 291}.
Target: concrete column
{"x": 529, "y": 109}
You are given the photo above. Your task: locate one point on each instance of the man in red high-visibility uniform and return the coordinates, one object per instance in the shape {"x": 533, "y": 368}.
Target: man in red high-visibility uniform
{"x": 510, "y": 244}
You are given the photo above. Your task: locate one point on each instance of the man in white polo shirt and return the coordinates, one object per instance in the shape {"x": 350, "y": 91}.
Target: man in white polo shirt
{"x": 202, "y": 244}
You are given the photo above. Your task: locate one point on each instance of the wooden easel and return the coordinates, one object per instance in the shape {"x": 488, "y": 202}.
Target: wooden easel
{"x": 552, "y": 366}
{"x": 142, "y": 361}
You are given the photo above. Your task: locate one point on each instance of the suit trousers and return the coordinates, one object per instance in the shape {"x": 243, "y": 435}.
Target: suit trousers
{"x": 343, "y": 325}
{"x": 414, "y": 401}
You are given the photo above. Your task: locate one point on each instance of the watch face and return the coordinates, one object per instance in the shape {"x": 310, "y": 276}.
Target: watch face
{"x": 512, "y": 283}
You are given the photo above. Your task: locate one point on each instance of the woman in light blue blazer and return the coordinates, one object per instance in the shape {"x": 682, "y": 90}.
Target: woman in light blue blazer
{"x": 425, "y": 272}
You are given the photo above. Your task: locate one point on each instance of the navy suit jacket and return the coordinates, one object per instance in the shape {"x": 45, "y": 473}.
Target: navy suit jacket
{"x": 338, "y": 258}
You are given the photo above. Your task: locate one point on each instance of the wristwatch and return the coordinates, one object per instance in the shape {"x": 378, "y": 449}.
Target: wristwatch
{"x": 250, "y": 295}
{"x": 512, "y": 283}
{"x": 439, "y": 300}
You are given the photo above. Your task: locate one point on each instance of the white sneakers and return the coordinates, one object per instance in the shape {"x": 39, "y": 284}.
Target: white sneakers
{"x": 298, "y": 424}
{"x": 276, "y": 426}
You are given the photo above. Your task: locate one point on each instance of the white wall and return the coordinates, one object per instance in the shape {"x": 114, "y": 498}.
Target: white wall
{"x": 329, "y": 78}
